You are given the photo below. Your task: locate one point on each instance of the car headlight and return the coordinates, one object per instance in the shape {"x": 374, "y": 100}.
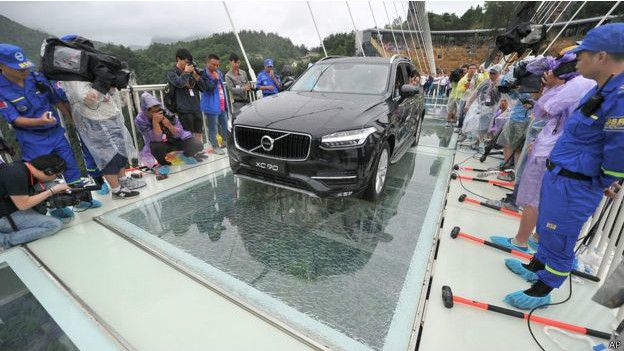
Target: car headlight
{"x": 347, "y": 138}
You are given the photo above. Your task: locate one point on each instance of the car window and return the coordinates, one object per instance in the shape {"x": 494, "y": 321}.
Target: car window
{"x": 344, "y": 77}
{"x": 400, "y": 78}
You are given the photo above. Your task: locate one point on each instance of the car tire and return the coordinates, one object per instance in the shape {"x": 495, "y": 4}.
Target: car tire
{"x": 377, "y": 181}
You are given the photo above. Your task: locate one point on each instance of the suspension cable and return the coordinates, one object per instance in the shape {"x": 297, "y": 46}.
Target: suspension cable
{"x": 419, "y": 39}
{"x": 537, "y": 11}
{"x": 422, "y": 25}
{"x": 317, "y": 30}
{"x": 560, "y": 14}
{"x": 425, "y": 21}
{"x": 409, "y": 27}
{"x": 378, "y": 32}
{"x": 396, "y": 45}
{"x": 564, "y": 27}
{"x": 608, "y": 13}
{"x": 422, "y": 38}
{"x": 402, "y": 31}
{"x": 550, "y": 13}
{"x": 355, "y": 30}
{"x": 252, "y": 74}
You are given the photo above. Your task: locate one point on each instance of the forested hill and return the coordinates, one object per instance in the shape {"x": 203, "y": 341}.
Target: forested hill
{"x": 151, "y": 63}
{"x": 29, "y": 39}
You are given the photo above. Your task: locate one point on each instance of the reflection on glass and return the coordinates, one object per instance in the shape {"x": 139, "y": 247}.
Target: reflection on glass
{"x": 340, "y": 261}
{"x": 24, "y": 323}
{"x": 435, "y": 133}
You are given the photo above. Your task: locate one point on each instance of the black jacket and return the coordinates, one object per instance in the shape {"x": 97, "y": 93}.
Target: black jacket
{"x": 179, "y": 80}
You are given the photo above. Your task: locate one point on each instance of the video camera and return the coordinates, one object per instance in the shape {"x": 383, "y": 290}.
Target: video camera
{"x": 76, "y": 59}
{"x": 72, "y": 197}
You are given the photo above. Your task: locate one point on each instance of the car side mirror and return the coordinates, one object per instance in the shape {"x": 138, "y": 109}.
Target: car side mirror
{"x": 288, "y": 84}
{"x": 409, "y": 90}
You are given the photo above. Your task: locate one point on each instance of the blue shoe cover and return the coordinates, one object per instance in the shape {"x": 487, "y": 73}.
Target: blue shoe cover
{"x": 533, "y": 244}
{"x": 188, "y": 160}
{"x": 61, "y": 213}
{"x": 523, "y": 301}
{"x": 104, "y": 190}
{"x": 504, "y": 241}
{"x": 164, "y": 170}
{"x": 83, "y": 205}
{"x": 516, "y": 267}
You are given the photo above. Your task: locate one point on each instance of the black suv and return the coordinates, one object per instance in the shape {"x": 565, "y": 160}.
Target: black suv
{"x": 334, "y": 132}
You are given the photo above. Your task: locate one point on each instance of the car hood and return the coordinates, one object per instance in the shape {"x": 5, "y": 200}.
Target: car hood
{"x": 313, "y": 113}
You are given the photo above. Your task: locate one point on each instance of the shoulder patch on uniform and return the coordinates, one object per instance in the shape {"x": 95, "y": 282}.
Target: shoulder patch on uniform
{"x": 3, "y": 105}
{"x": 614, "y": 123}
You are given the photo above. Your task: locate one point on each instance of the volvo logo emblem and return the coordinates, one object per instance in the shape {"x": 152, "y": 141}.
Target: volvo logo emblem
{"x": 266, "y": 142}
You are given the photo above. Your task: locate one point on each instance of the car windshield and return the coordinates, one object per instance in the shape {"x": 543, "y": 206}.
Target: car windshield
{"x": 343, "y": 77}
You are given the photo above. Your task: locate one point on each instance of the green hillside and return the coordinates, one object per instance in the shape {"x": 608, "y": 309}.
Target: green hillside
{"x": 28, "y": 39}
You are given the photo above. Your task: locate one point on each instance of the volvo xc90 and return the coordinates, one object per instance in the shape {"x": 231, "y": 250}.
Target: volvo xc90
{"x": 335, "y": 131}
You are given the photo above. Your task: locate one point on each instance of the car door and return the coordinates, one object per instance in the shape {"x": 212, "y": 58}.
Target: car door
{"x": 405, "y": 122}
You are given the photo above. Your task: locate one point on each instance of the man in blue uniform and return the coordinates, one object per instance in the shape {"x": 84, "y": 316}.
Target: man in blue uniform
{"x": 28, "y": 103}
{"x": 585, "y": 162}
{"x": 267, "y": 80}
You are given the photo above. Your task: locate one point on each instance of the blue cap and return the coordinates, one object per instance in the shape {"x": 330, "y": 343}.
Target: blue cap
{"x": 69, "y": 37}
{"x": 268, "y": 62}
{"x": 608, "y": 37}
{"x": 14, "y": 57}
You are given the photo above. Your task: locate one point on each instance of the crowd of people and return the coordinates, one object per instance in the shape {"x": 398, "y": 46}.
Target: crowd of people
{"x": 562, "y": 143}
{"x": 34, "y": 105}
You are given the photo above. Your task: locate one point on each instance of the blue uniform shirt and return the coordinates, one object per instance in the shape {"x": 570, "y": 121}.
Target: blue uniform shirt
{"x": 519, "y": 112}
{"x": 28, "y": 101}
{"x": 264, "y": 79}
{"x": 594, "y": 145}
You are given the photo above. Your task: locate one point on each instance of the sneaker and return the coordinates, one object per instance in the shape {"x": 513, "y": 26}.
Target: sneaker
{"x": 508, "y": 243}
{"x": 124, "y": 193}
{"x": 104, "y": 189}
{"x": 132, "y": 183}
{"x": 507, "y": 176}
{"x": 533, "y": 241}
{"x": 219, "y": 151}
{"x": 84, "y": 205}
{"x": 164, "y": 170}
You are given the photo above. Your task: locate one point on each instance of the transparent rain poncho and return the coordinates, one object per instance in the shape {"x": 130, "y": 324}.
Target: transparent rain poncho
{"x": 99, "y": 122}
{"x": 481, "y": 112}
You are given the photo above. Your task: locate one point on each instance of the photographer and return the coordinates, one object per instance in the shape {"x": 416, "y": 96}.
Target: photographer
{"x": 20, "y": 221}
{"x": 162, "y": 133}
{"x": 215, "y": 102}
{"x": 238, "y": 84}
{"x": 186, "y": 85}
{"x": 99, "y": 122}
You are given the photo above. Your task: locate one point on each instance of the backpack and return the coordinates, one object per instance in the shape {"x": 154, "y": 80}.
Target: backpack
{"x": 169, "y": 98}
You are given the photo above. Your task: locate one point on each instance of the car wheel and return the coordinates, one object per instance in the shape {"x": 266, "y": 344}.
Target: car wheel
{"x": 377, "y": 182}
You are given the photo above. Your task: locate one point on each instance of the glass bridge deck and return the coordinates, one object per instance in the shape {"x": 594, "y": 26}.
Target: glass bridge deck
{"x": 345, "y": 272}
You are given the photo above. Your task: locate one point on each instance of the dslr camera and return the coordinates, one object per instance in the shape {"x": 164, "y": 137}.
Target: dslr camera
{"x": 72, "y": 197}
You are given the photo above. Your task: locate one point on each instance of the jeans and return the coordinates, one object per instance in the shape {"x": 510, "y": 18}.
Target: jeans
{"x": 31, "y": 226}
{"x": 222, "y": 120}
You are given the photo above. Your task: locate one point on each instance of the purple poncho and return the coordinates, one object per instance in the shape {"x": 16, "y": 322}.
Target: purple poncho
{"x": 144, "y": 125}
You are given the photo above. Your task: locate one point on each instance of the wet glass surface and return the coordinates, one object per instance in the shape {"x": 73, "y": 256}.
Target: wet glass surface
{"x": 24, "y": 323}
{"x": 340, "y": 261}
{"x": 435, "y": 132}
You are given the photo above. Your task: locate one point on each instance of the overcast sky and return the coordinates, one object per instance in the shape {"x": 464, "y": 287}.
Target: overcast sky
{"x": 136, "y": 23}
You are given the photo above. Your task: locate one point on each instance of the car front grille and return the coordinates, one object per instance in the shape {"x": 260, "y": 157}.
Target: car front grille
{"x": 286, "y": 145}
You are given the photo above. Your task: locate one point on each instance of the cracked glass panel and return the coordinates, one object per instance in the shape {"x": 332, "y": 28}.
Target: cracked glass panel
{"x": 342, "y": 262}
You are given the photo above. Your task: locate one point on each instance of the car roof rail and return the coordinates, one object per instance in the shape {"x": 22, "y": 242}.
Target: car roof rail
{"x": 330, "y": 57}
{"x": 396, "y": 56}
